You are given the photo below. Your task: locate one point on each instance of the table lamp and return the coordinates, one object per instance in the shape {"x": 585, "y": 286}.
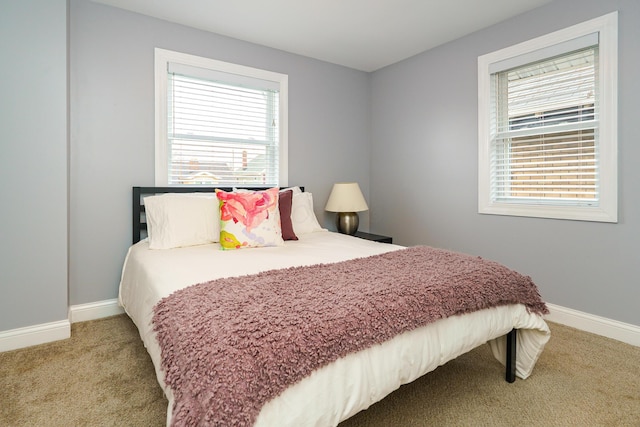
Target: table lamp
{"x": 347, "y": 200}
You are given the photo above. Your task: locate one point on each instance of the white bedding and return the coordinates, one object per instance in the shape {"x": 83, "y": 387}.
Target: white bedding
{"x": 353, "y": 383}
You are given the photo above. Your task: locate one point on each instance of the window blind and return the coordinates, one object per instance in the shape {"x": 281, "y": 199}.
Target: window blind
{"x": 222, "y": 130}
{"x": 545, "y": 139}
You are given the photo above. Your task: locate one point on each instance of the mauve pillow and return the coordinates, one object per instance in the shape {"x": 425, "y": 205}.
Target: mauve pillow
{"x": 285, "y": 201}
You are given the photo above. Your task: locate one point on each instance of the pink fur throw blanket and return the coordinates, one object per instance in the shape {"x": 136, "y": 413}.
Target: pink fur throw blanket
{"x": 231, "y": 345}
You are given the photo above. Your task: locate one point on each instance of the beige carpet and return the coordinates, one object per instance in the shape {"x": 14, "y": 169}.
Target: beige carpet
{"x": 102, "y": 376}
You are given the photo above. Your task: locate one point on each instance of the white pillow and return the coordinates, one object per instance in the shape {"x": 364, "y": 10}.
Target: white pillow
{"x": 295, "y": 190}
{"x": 176, "y": 220}
{"x": 303, "y": 218}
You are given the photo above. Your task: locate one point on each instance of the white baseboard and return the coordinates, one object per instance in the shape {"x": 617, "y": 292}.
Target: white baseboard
{"x": 94, "y": 310}
{"x": 609, "y": 328}
{"x": 48, "y": 332}
{"x": 54, "y": 331}
{"x": 34, "y": 335}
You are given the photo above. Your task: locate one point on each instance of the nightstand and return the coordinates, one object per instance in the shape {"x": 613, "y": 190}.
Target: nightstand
{"x": 373, "y": 237}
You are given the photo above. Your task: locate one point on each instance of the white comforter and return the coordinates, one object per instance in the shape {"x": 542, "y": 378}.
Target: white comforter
{"x": 349, "y": 385}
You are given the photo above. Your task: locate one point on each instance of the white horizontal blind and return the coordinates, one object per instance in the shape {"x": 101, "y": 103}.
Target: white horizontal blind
{"x": 221, "y": 132}
{"x": 545, "y": 119}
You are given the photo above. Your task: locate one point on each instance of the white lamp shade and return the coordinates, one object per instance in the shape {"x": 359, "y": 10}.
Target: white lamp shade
{"x": 346, "y": 197}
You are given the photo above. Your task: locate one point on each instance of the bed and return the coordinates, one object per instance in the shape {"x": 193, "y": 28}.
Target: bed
{"x": 326, "y": 392}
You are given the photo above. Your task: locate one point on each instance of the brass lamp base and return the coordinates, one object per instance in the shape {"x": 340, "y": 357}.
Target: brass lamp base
{"x": 347, "y": 222}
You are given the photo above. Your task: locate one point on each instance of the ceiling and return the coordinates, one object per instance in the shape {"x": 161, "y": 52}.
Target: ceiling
{"x": 361, "y": 34}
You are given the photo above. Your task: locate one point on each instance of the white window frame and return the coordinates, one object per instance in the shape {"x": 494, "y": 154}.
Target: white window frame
{"x": 163, "y": 57}
{"x": 607, "y": 208}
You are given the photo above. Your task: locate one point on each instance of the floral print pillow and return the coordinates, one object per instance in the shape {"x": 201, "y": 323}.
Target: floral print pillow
{"x": 249, "y": 219}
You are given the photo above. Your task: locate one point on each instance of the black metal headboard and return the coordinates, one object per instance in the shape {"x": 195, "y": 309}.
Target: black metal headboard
{"x": 139, "y": 219}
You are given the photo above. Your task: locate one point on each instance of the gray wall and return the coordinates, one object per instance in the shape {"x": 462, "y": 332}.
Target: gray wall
{"x": 393, "y": 131}
{"x": 424, "y": 184}
{"x": 112, "y": 128}
{"x": 33, "y": 163}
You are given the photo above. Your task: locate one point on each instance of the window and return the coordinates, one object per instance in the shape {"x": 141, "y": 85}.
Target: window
{"x": 547, "y": 125}
{"x": 219, "y": 123}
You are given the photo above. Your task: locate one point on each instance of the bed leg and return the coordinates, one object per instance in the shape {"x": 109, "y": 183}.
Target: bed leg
{"x": 511, "y": 356}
